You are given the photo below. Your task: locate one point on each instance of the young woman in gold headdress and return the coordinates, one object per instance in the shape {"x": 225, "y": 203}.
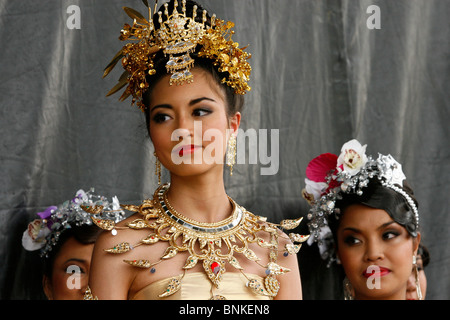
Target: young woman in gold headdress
{"x": 191, "y": 241}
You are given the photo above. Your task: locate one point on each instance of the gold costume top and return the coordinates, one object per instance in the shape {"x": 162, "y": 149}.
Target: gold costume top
{"x": 211, "y": 244}
{"x": 196, "y": 286}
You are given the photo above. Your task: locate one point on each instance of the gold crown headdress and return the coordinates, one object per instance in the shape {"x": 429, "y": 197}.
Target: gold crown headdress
{"x": 177, "y": 36}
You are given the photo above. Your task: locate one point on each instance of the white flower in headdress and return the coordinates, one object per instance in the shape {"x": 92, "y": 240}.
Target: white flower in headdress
{"x": 313, "y": 190}
{"x": 33, "y": 237}
{"x": 353, "y": 157}
{"x": 80, "y": 197}
{"x": 391, "y": 170}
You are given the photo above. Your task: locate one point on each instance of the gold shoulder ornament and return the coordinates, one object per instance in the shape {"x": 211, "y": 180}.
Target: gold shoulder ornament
{"x": 210, "y": 244}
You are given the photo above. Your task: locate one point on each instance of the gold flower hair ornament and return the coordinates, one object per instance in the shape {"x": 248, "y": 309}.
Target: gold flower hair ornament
{"x": 177, "y": 36}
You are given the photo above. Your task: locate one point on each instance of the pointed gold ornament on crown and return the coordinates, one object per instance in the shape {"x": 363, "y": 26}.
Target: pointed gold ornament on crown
{"x": 178, "y": 36}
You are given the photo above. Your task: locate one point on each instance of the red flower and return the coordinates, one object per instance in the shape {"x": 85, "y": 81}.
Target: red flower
{"x": 319, "y": 167}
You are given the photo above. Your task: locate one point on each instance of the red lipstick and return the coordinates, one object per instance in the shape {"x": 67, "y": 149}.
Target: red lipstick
{"x": 186, "y": 149}
{"x": 376, "y": 271}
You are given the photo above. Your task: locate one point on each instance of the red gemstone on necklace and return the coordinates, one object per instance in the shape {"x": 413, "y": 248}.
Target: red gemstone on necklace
{"x": 215, "y": 267}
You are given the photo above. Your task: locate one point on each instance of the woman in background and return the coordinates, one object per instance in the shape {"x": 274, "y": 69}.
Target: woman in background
{"x": 65, "y": 236}
{"x": 365, "y": 217}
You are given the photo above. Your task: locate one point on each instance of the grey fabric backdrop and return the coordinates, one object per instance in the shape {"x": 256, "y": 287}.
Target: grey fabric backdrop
{"x": 320, "y": 77}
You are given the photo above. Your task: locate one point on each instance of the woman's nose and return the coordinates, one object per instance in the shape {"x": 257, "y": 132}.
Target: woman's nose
{"x": 374, "y": 251}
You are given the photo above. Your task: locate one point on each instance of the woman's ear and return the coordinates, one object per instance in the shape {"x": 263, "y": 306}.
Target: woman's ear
{"x": 234, "y": 123}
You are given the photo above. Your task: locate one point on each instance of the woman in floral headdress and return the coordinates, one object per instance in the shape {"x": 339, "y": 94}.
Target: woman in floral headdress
{"x": 65, "y": 237}
{"x": 191, "y": 241}
{"x": 364, "y": 216}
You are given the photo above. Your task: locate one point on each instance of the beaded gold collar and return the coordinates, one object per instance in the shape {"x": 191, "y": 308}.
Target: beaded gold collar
{"x": 212, "y": 244}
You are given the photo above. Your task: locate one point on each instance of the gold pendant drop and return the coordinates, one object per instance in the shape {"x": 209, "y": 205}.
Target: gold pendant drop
{"x": 214, "y": 268}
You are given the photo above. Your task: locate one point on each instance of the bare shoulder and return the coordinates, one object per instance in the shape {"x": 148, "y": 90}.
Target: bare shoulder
{"x": 110, "y": 277}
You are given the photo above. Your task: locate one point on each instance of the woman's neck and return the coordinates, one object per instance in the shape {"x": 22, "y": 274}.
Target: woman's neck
{"x": 398, "y": 295}
{"x": 202, "y": 198}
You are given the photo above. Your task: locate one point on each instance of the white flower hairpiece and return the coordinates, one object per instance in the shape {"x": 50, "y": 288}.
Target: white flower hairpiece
{"x": 328, "y": 177}
{"x": 44, "y": 233}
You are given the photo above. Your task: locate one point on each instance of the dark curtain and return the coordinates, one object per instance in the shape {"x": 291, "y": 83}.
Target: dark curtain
{"x": 321, "y": 75}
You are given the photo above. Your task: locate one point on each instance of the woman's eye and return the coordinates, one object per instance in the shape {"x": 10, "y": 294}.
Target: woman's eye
{"x": 73, "y": 268}
{"x": 201, "y": 112}
{"x": 160, "y": 117}
{"x": 351, "y": 240}
{"x": 390, "y": 235}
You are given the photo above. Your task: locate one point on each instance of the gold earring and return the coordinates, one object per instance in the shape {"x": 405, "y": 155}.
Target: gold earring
{"x": 231, "y": 153}
{"x": 349, "y": 293}
{"x": 416, "y": 276}
{"x": 157, "y": 168}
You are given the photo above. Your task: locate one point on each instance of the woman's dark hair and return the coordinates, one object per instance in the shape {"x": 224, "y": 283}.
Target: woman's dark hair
{"x": 235, "y": 102}
{"x": 85, "y": 234}
{"x": 425, "y": 254}
{"x": 377, "y": 196}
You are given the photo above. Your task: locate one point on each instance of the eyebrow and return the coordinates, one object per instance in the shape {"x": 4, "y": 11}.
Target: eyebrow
{"x": 76, "y": 260}
{"x": 191, "y": 103}
{"x": 384, "y": 225}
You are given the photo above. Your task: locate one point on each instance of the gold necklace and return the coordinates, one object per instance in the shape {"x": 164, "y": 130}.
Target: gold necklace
{"x": 212, "y": 244}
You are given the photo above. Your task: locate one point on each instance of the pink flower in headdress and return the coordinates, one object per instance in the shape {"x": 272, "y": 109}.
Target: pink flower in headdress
{"x": 316, "y": 173}
{"x": 319, "y": 167}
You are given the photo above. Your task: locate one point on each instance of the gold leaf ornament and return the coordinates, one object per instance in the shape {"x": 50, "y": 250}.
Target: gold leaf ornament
{"x": 276, "y": 269}
{"x": 293, "y": 248}
{"x": 119, "y": 55}
{"x": 133, "y": 14}
{"x": 141, "y": 263}
{"x": 104, "y": 223}
{"x": 295, "y": 237}
{"x": 290, "y": 224}
{"x": 95, "y": 209}
{"x": 173, "y": 287}
{"x": 170, "y": 253}
{"x": 257, "y": 287}
{"x": 235, "y": 263}
{"x": 249, "y": 254}
{"x": 191, "y": 262}
{"x": 138, "y": 224}
{"x": 150, "y": 239}
{"x": 120, "y": 248}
